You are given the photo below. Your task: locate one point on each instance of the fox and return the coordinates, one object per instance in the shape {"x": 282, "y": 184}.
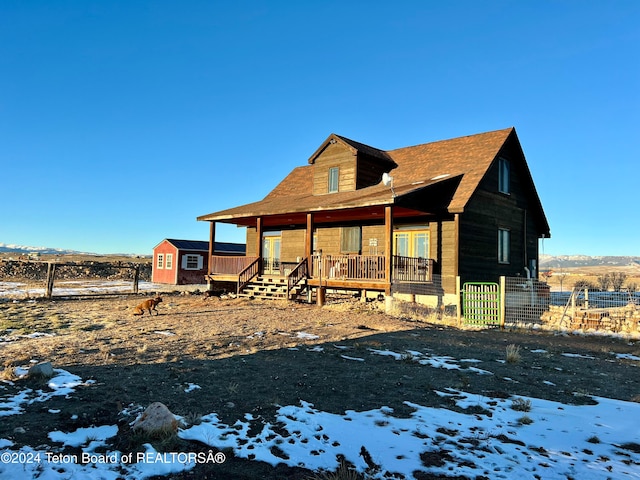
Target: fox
{"x": 147, "y": 305}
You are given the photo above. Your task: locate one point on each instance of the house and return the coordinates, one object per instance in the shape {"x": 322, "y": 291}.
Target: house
{"x": 361, "y": 218}
{"x": 184, "y": 262}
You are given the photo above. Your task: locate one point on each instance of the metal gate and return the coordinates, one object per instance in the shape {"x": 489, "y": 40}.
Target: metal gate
{"x": 481, "y": 303}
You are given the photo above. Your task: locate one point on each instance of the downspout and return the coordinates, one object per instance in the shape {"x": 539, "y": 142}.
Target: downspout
{"x": 525, "y": 253}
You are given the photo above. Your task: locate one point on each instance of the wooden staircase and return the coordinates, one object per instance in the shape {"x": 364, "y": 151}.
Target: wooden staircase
{"x": 270, "y": 287}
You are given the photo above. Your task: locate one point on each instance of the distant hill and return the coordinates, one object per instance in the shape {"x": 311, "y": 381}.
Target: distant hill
{"x": 573, "y": 261}
{"x": 26, "y": 250}
{"x": 22, "y": 249}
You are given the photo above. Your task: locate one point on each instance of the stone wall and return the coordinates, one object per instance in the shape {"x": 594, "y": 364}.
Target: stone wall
{"x": 25, "y": 271}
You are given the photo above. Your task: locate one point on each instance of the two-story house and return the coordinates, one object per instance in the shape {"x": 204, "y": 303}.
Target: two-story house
{"x": 360, "y": 218}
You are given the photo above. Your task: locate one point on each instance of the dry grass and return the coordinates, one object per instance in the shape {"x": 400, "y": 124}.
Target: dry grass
{"x": 343, "y": 472}
{"x": 103, "y": 331}
{"x": 513, "y": 354}
{"x": 521, "y": 405}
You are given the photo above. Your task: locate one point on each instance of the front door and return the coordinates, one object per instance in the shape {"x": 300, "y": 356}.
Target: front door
{"x": 271, "y": 255}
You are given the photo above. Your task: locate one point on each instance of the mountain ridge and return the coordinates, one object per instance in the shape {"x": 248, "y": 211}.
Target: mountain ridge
{"x": 569, "y": 261}
{"x": 25, "y": 250}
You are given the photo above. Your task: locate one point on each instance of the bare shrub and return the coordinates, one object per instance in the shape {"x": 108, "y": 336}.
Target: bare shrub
{"x": 604, "y": 281}
{"x": 617, "y": 280}
{"x": 513, "y": 353}
{"x": 521, "y": 405}
{"x": 525, "y": 420}
{"x": 582, "y": 284}
{"x": 344, "y": 472}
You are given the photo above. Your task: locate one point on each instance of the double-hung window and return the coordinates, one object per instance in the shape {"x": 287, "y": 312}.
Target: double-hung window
{"x": 160, "y": 261}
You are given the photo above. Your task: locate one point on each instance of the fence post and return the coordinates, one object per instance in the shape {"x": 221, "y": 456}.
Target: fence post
{"x": 503, "y": 301}
{"x": 586, "y": 298}
{"x": 458, "y": 301}
{"x": 136, "y": 278}
{"x": 51, "y": 273}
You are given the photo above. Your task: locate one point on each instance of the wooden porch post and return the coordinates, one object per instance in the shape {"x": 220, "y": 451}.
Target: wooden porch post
{"x": 259, "y": 237}
{"x": 212, "y": 246}
{"x": 388, "y": 246}
{"x": 308, "y": 246}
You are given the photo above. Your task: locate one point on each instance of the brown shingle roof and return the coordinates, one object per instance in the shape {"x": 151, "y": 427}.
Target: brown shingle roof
{"x": 418, "y": 167}
{"x": 354, "y": 146}
{"x": 470, "y": 156}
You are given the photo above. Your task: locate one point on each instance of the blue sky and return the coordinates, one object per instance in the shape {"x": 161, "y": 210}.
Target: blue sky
{"x": 122, "y": 121}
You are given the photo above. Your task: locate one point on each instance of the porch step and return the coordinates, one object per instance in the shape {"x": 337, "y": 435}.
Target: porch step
{"x": 269, "y": 287}
{"x": 266, "y": 287}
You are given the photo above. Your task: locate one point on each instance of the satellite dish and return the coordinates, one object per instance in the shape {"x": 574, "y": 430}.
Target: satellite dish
{"x": 386, "y": 179}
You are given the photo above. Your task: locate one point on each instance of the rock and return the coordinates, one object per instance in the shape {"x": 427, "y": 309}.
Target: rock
{"x": 41, "y": 370}
{"x": 156, "y": 418}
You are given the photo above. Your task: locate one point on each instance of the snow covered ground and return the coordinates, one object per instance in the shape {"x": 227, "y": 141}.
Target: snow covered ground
{"x": 517, "y": 437}
{"x": 74, "y": 287}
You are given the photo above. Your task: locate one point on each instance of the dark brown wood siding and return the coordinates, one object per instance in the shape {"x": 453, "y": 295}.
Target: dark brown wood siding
{"x": 443, "y": 249}
{"x": 369, "y": 171}
{"x": 488, "y": 211}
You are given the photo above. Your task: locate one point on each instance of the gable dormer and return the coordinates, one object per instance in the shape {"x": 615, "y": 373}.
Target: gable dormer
{"x": 343, "y": 165}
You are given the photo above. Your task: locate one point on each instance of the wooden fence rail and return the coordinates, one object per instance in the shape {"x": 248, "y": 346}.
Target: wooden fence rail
{"x": 51, "y": 275}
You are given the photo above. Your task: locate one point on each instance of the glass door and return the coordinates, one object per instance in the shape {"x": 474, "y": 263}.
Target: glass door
{"x": 271, "y": 254}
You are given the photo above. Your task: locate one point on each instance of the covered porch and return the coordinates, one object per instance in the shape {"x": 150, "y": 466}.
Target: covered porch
{"x": 313, "y": 250}
{"x": 348, "y": 272}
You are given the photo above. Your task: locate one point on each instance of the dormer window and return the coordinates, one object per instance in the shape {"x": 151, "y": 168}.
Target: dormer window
{"x": 333, "y": 179}
{"x": 503, "y": 175}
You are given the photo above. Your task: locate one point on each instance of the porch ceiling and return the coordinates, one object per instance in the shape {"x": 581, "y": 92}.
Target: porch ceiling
{"x": 323, "y": 217}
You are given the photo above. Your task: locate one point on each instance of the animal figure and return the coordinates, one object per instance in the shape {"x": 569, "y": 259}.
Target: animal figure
{"x": 148, "y": 305}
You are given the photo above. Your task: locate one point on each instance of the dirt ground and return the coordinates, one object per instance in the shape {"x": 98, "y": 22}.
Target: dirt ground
{"x": 250, "y": 356}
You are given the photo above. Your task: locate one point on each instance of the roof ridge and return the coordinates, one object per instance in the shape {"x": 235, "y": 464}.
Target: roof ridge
{"x": 455, "y": 139}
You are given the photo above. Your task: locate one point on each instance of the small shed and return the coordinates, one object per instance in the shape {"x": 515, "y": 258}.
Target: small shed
{"x": 184, "y": 262}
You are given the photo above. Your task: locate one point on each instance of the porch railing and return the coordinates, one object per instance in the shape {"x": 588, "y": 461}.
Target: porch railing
{"x": 299, "y": 273}
{"x": 338, "y": 267}
{"x": 250, "y": 271}
{"x": 349, "y": 267}
{"x": 412, "y": 269}
{"x": 230, "y": 265}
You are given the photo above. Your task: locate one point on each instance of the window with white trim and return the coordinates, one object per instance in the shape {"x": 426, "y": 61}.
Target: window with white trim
{"x": 160, "y": 261}
{"x": 168, "y": 261}
{"x": 334, "y": 173}
{"x": 504, "y": 246}
{"x": 192, "y": 262}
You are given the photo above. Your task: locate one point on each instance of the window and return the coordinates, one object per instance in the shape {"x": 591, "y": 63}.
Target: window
{"x": 504, "y": 241}
{"x": 351, "y": 240}
{"x": 333, "y": 179}
{"x": 503, "y": 175}
{"x": 168, "y": 264}
{"x": 192, "y": 262}
{"x": 160, "y": 261}
{"x": 411, "y": 243}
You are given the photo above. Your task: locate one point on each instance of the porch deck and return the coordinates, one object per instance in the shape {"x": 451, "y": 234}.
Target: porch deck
{"x": 334, "y": 271}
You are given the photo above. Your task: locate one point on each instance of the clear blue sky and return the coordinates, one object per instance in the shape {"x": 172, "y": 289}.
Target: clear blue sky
{"x": 122, "y": 121}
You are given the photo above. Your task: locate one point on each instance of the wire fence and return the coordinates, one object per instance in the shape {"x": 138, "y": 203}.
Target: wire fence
{"x": 518, "y": 302}
{"x": 594, "y": 309}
